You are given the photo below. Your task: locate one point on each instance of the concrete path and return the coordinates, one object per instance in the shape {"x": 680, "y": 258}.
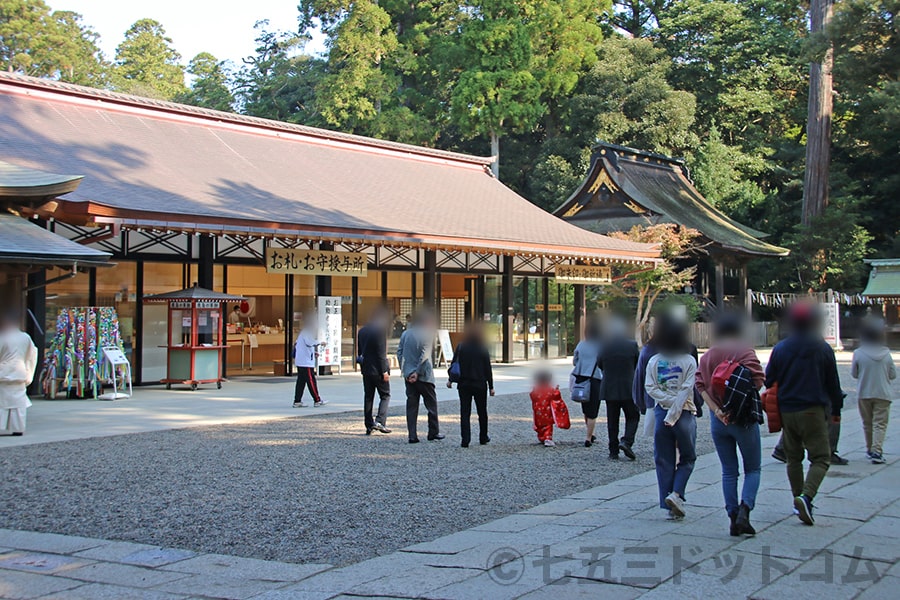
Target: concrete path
{"x": 241, "y": 400}
{"x": 610, "y": 542}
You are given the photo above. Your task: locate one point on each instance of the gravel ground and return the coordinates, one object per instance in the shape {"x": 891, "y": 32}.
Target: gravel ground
{"x": 310, "y": 489}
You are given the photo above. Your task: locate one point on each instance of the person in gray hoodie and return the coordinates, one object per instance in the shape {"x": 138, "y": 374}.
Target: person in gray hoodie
{"x": 874, "y": 367}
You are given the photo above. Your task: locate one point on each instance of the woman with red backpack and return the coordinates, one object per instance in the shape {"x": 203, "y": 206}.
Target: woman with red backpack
{"x": 729, "y": 378}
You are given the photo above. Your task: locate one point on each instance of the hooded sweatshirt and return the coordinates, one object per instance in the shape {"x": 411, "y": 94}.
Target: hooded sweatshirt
{"x": 804, "y": 367}
{"x": 874, "y": 366}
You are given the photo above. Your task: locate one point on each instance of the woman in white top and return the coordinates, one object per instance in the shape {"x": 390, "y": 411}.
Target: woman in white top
{"x": 587, "y": 352}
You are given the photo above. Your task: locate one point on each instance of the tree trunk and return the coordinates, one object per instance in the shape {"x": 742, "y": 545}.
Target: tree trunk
{"x": 818, "y": 129}
{"x": 495, "y": 153}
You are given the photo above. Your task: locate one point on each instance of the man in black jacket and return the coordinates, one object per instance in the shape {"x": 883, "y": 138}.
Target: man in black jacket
{"x": 376, "y": 371}
{"x": 804, "y": 367}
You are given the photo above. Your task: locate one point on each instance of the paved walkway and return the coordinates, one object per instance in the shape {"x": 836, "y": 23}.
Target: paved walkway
{"x": 610, "y": 542}
{"x": 241, "y": 400}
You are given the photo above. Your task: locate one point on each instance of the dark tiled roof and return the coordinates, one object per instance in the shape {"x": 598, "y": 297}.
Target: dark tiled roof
{"x": 164, "y": 162}
{"x": 23, "y": 242}
{"x": 660, "y": 186}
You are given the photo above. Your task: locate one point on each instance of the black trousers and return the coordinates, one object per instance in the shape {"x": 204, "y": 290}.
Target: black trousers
{"x": 632, "y": 417}
{"x": 426, "y": 392}
{"x": 466, "y": 395}
{"x": 306, "y": 377}
{"x": 372, "y": 384}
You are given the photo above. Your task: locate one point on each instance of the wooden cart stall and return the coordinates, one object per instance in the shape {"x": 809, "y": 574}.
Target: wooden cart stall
{"x": 196, "y": 335}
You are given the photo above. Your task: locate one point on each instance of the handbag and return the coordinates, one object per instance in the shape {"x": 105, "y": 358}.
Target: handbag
{"x": 453, "y": 373}
{"x": 580, "y": 391}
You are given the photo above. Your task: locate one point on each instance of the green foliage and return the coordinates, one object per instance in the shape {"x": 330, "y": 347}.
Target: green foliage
{"x": 41, "y": 43}
{"x": 147, "y": 64}
{"x": 277, "y": 82}
{"x": 210, "y": 84}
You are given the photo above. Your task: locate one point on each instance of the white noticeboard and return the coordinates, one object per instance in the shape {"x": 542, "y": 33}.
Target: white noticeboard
{"x": 330, "y": 325}
{"x": 831, "y": 324}
{"x": 446, "y": 345}
{"x": 116, "y": 358}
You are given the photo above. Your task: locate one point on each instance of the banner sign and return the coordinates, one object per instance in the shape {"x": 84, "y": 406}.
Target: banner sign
{"x": 329, "y": 312}
{"x": 584, "y": 274}
{"x": 550, "y": 307}
{"x": 831, "y": 324}
{"x": 316, "y": 262}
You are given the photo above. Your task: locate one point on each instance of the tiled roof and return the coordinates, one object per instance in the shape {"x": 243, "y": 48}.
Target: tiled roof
{"x": 23, "y": 242}
{"x": 658, "y": 185}
{"x": 884, "y": 280}
{"x": 193, "y": 293}
{"x": 21, "y": 183}
{"x": 151, "y": 161}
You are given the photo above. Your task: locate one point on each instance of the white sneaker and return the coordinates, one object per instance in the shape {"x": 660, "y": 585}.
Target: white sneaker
{"x": 321, "y": 403}
{"x": 675, "y": 504}
{"x": 299, "y": 405}
{"x": 549, "y": 443}
{"x": 670, "y": 516}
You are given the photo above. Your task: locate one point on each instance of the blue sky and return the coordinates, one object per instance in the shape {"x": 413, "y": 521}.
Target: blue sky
{"x": 222, "y": 27}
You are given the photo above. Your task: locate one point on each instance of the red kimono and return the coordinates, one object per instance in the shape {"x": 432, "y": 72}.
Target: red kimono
{"x": 549, "y": 408}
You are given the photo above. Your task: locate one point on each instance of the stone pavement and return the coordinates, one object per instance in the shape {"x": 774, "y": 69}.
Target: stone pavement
{"x": 610, "y": 541}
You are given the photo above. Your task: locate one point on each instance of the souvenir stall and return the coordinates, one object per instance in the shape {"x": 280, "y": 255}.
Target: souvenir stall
{"x": 196, "y": 335}
{"x": 75, "y": 361}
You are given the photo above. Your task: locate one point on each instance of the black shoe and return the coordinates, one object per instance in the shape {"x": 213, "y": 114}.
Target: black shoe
{"x": 369, "y": 430}
{"x": 587, "y": 443}
{"x": 837, "y": 459}
{"x": 804, "y": 507}
{"x": 613, "y": 456}
{"x": 414, "y": 441}
{"x": 593, "y": 439}
{"x": 735, "y": 531}
{"x": 381, "y": 428}
{"x": 743, "y": 521}
{"x": 18, "y": 433}
{"x": 464, "y": 445}
{"x": 485, "y": 441}
{"x": 627, "y": 451}
{"x": 779, "y": 455}
{"x": 436, "y": 437}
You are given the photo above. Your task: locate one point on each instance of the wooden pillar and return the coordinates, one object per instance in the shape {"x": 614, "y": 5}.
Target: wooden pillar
{"x": 92, "y": 286}
{"x": 36, "y": 304}
{"x": 507, "y": 304}
{"x": 479, "y": 298}
{"x": 384, "y": 287}
{"x": 429, "y": 280}
{"x": 137, "y": 354}
{"x": 289, "y": 324}
{"x": 526, "y": 283}
{"x": 742, "y": 285}
{"x": 720, "y": 285}
{"x": 205, "y": 265}
{"x": 354, "y": 319}
{"x": 414, "y": 292}
{"x": 580, "y": 309}
{"x": 545, "y": 330}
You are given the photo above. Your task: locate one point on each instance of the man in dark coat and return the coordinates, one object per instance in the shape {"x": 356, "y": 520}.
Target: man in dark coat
{"x": 376, "y": 371}
{"x": 618, "y": 360}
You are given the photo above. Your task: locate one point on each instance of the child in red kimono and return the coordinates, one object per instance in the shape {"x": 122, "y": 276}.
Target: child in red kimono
{"x": 548, "y": 407}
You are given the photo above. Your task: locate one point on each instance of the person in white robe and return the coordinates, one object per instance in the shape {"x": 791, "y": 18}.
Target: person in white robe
{"x": 18, "y": 360}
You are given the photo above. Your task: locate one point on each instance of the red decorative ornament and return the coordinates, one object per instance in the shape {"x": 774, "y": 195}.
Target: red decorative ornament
{"x": 245, "y": 307}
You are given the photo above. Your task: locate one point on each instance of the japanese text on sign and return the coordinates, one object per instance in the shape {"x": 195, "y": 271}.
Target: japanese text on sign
{"x": 586, "y": 274}
{"x": 329, "y": 309}
{"x": 316, "y": 262}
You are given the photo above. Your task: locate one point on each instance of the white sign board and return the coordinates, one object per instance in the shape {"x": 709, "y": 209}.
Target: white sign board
{"x": 446, "y": 344}
{"x": 329, "y": 313}
{"x": 115, "y": 355}
{"x": 831, "y": 324}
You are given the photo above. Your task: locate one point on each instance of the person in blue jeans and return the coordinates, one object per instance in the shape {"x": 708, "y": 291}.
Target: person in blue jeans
{"x": 730, "y": 438}
{"x": 669, "y": 382}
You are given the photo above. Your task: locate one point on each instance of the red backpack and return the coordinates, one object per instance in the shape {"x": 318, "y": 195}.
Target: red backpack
{"x": 722, "y": 373}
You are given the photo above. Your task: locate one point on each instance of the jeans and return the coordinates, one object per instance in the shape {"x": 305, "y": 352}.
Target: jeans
{"x": 632, "y": 418}
{"x": 426, "y": 392}
{"x": 672, "y": 477}
{"x": 466, "y": 395}
{"x": 806, "y": 432}
{"x": 728, "y": 439}
{"x": 371, "y": 384}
